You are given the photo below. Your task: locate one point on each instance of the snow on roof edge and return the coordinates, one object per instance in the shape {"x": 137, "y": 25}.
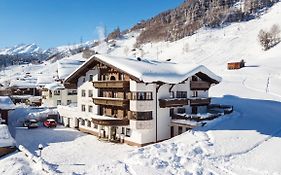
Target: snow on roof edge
{"x": 143, "y": 77}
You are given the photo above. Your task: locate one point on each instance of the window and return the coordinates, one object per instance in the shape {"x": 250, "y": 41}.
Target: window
{"x": 58, "y": 102}
{"x": 181, "y": 94}
{"x": 171, "y": 112}
{"x": 181, "y": 110}
{"x": 90, "y": 109}
{"x": 84, "y": 79}
{"x": 68, "y": 102}
{"x": 194, "y": 93}
{"x": 187, "y": 129}
{"x": 194, "y": 78}
{"x": 90, "y": 77}
{"x": 128, "y": 132}
{"x": 123, "y": 130}
{"x": 57, "y": 92}
{"x": 90, "y": 93}
{"x": 72, "y": 92}
{"x": 148, "y": 96}
{"x": 141, "y": 95}
{"x": 95, "y": 126}
{"x": 83, "y": 93}
{"x": 172, "y": 94}
{"x": 179, "y": 130}
{"x": 142, "y": 115}
{"x": 83, "y": 108}
{"x": 82, "y": 122}
{"x": 88, "y": 123}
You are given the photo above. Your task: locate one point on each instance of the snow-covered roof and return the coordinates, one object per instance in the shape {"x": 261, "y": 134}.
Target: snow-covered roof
{"x": 148, "y": 70}
{"x": 24, "y": 83}
{"x": 44, "y": 79}
{"x": 6, "y": 103}
{"x": 54, "y": 86}
{"x": 68, "y": 65}
{"x": 6, "y": 139}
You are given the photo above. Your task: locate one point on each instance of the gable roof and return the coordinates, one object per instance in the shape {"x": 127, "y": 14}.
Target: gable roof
{"x": 147, "y": 71}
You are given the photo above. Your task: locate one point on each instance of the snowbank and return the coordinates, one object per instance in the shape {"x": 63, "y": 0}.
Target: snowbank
{"x": 6, "y": 139}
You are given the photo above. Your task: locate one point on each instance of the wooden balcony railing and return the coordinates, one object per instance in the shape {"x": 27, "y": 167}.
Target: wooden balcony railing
{"x": 174, "y": 102}
{"x": 200, "y": 101}
{"x": 111, "y": 84}
{"x": 111, "y": 101}
{"x": 199, "y": 85}
{"x": 108, "y": 122}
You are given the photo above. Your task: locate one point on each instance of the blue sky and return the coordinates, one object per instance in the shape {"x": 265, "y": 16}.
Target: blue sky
{"x": 51, "y": 23}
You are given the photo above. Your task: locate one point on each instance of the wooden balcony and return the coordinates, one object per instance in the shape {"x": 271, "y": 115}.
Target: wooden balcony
{"x": 111, "y": 84}
{"x": 200, "y": 101}
{"x": 174, "y": 102}
{"x": 199, "y": 85}
{"x": 111, "y": 101}
{"x": 111, "y": 122}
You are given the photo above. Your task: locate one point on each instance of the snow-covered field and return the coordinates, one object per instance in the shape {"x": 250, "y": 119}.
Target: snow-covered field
{"x": 245, "y": 142}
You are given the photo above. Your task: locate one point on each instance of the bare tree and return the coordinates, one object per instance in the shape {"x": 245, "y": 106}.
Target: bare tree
{"x": 271, "y": 38}
{"x": 275, "y": 32}
{"x": 264, "y": 39}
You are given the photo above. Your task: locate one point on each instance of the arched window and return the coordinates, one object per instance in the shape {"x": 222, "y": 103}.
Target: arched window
{"x": 112, "y": 78}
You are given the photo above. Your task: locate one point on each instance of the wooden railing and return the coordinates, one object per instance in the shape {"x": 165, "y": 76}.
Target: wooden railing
{"x": 111, "y": 84}
{"x": 111, "y": 101}
{"x": 175, "y": 102}
{"x": 200, "y": 101}
{"x": 199, "y": 85}
{"x": 117, "y": 122}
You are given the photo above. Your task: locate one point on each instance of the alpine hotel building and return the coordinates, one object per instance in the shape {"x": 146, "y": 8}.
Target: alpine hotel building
{"x": 135, "y": 100}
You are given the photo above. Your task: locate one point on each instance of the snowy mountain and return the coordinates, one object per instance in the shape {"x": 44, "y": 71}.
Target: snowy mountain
{"x": 26, "y": 53}
{"x": 22, "y": 49}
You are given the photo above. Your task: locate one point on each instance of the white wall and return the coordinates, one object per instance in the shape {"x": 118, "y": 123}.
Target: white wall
{"x": 87, "y": 85}
{"x": 52, "y": 101}
{"x": 163, "y": 118}
{"x": 143, "y": 131}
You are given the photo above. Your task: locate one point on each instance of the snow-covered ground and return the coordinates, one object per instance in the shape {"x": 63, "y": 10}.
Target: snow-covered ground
{"x": 245, "y": 142}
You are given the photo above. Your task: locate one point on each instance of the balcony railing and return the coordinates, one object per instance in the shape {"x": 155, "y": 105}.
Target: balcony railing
{"x": 199, "y": 85}
{"x": 200, "y": 101}
{"x": 173, "y": 102}
{"x": 179, "y": 102}
{"x": 111, "y": 101}
{"x": 109, "y": 122}
{"x": 111, "y": 84}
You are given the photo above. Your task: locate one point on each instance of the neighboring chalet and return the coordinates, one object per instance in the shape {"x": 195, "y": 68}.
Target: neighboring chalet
{"x": 135, "y": 100}
{"x": 55, "y": 94}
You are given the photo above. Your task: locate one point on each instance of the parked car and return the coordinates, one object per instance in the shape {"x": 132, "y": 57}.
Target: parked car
{"x": 31, "y": 123}
{"x": 50, "y": 123}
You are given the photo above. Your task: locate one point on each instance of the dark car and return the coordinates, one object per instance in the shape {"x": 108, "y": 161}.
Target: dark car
{"x": 50, "y": 123}
{"x": 31, "y": 123}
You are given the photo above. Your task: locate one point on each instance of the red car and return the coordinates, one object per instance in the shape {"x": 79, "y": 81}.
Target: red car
{"x": 50, "y": 123}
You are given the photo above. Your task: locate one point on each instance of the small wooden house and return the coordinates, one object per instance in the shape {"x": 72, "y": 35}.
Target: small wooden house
{"x": 236, "y": 65}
